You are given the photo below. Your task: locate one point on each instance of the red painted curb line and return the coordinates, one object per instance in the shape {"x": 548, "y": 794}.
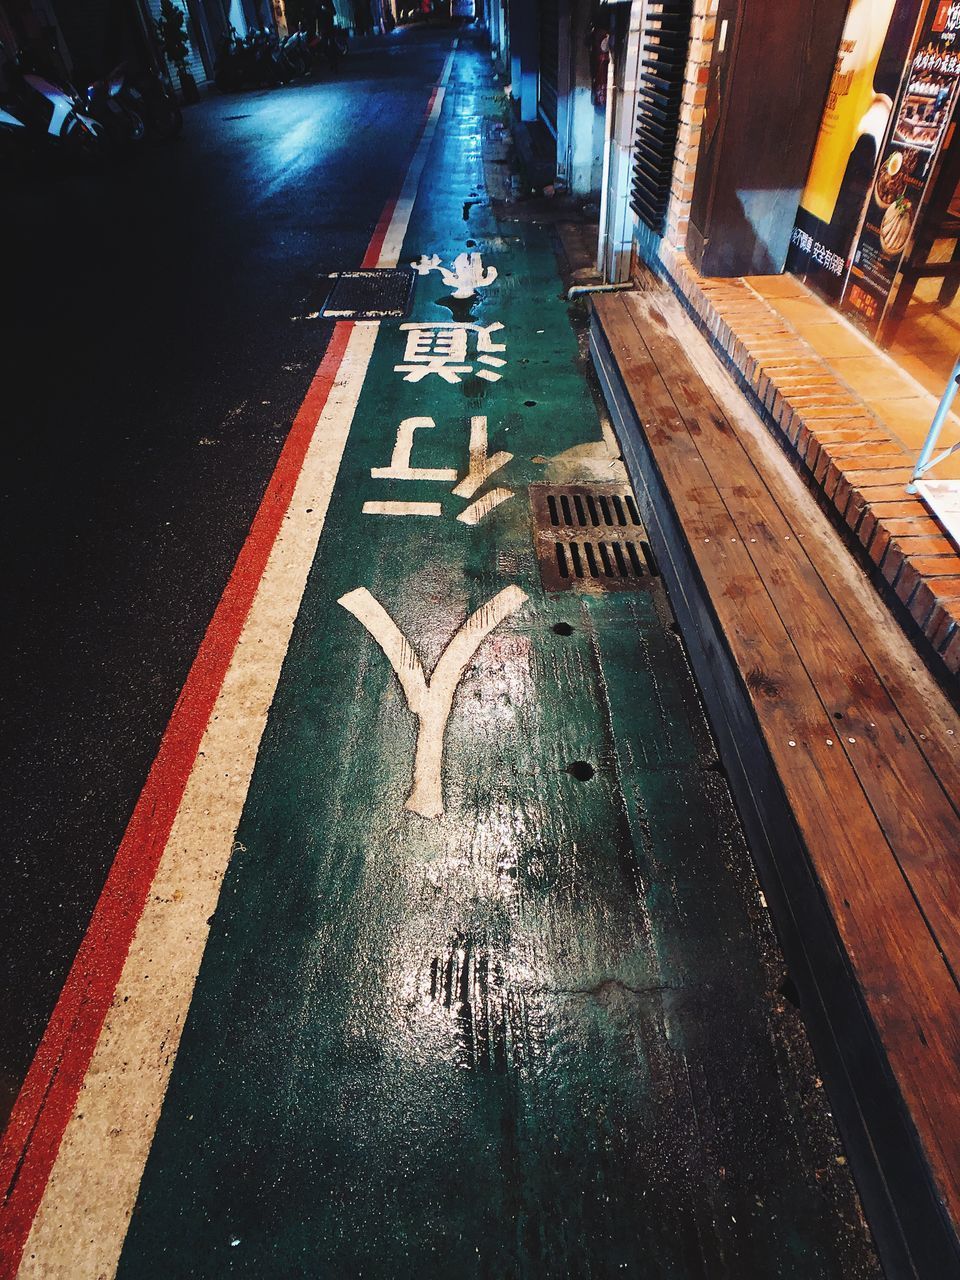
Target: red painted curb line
{"x": 372, "y": 257}
{"x": 375, "y": 247}
{"x": 49, "y": 1092}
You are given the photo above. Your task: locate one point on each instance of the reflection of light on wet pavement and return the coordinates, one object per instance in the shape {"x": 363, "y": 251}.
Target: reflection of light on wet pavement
{"x": 494, "y": 688}
{"x": 290, "y": 152}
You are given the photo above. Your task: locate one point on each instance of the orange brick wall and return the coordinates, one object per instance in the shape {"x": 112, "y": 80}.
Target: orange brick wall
{"x": 691, "y": 121}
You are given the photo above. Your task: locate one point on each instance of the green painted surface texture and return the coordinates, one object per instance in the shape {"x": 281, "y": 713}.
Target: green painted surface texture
{"x": 537, "y": 1036}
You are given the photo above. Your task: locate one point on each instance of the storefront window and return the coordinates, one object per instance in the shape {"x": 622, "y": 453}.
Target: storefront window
{"x": 879, "y": 219}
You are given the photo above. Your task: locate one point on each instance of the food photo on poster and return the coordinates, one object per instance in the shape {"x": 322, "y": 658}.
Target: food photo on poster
{"x": 874, "y": 47}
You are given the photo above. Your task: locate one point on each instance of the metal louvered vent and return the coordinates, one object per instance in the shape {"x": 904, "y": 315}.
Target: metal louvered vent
{"x": 666, "y": 34}
{"x": 590, "y": 537}
{"x": 549, "y": 13}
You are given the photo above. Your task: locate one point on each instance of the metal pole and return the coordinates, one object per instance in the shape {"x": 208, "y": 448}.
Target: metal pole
{"x": 936, "y": 426}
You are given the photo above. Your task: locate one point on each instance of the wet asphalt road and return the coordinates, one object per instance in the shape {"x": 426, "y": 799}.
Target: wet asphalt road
{"x": 155, "y": 353}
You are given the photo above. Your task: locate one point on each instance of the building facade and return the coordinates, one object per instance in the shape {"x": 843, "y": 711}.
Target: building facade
{"x": 819, "y": 144}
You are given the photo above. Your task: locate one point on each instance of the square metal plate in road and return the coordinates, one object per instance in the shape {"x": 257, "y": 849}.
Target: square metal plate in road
{"x": 372, "y": 293}
{"x": 589, "y": 537}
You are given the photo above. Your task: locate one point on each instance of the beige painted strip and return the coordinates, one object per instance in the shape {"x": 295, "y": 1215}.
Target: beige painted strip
{"x": 397, "y": 231}
{"x": 402, "y": 508}
{"x": 82, "y": 1220}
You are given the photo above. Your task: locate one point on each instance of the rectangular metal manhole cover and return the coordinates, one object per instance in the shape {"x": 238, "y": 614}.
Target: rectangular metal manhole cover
{"x": 590, "y": 537}
{"x": 372, "y": 293}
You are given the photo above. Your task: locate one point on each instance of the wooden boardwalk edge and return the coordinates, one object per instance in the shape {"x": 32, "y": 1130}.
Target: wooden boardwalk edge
{"x": 893, "y": 1152}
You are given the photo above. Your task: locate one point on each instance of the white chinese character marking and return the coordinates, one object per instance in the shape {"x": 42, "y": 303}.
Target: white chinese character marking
{"x": 430, "y": 700}
{"x": 468, "y": 274}
{"x": 482, "y": 467}
{"x": 426, "y": 265}
{"x": 484, "y": 505}
{"x": 441, "y": 347}
{"x": 400, "y": 468}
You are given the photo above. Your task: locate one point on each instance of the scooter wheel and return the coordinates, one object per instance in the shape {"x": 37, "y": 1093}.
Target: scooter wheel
{"x": 136, "y": 129}
{"x": 167, "y": 120}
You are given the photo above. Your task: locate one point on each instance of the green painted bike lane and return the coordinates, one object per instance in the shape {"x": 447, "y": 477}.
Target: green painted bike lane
{"x": 540, "y": 1034}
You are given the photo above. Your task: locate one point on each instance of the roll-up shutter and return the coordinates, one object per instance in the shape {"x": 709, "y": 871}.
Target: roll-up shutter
{"x": 549, "y": 60}
{"x": 195, "y": 61}
{"x": 664, "y": 41}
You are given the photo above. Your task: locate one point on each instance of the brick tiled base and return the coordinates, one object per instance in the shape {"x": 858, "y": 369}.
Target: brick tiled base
{"x": 845, "y": 451}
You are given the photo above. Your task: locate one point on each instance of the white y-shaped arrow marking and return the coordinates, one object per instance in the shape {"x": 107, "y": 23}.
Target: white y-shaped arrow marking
{"x": 430, "y": 701}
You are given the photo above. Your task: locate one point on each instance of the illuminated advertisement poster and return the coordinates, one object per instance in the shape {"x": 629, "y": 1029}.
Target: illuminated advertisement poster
{"x": 923, "y": 112}
{"x": 867, "y": 76}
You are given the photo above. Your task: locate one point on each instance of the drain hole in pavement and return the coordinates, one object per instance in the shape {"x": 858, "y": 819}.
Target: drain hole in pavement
{"x": 580, "y": 770}
{"x": 563, "y": 628}
{"x": 529, "y": 403}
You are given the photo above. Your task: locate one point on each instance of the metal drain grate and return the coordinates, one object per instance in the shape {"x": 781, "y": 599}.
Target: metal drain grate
{"x": 375, "y": 293}
{"x": 590, "y": 537}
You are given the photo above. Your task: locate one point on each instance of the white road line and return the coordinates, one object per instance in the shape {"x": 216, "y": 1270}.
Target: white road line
{"x": 402, "y": 509}
{"x": 83, "y": 1217}
{"x": 430, "y": 700}
{"x": 396, "y": 233}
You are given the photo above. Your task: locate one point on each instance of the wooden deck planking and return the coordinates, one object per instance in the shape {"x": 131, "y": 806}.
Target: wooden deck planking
{"x": 934, "y": 721}
{"x": 885, "y": 755}
{"x": 846, "y": 808}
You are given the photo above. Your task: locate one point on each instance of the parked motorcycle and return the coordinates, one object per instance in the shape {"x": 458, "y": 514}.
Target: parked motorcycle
{"x": 325, "y": 49}
{"x": 37, "y": 111}
{"x": 156, "y": 101}
{"x": 234, "y": 63}
{"x": 260, "y": 59}
{"x": 296, "y": 50}
{"x": 122, "y": 124}
{"x": 257, "y": 61}
{"x": 335, "y": 44}
{"x": 135, "y": 105}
